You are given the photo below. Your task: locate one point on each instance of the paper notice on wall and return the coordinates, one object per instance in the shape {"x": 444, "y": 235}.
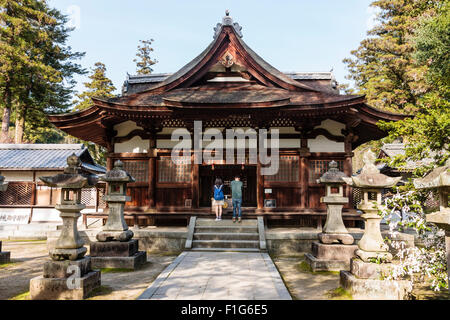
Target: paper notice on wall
{"x": 14, "y": 216}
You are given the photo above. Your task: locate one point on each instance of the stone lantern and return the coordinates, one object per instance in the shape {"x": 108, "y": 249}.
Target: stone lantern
{"x": 372, "y": 261}
{"x": 115, "y": 247}
{"x": 335, "y": 247}
{"x": 3, "y": 184}
{"x": 439, "y": 179}
{"x": 68, "y": 253}
{"x": 5, "y": 256}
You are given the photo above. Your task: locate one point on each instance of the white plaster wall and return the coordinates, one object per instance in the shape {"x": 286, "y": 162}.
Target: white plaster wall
{"x": 134, "y": 145}
{"x": 46, "y": 215}
{"x": 323, "y": 144}
{"x": 18, "y": 175}
{"x": 14, "y": 215}
{"x": 332, "y": 127}
{"x": 284, "y": 143}
{"x": 169, "y": 144}
{"x": 125, "y": 128}
{"x": 285, "y": 130}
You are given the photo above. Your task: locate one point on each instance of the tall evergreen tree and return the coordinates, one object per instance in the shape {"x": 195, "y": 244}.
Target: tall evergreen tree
{"x": 102, "y": 87}
{"x": 99, "y": 86}
{"x": 143, "y": 59}
{"x": 428, "y": 133}
{"x": 383, "y": 67}
{"x": 36, "y": 65}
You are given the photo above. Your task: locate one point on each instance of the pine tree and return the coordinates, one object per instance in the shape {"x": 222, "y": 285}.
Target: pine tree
{"x": 428, "y": 133}
{"x": 383, "y": 66}
{"x": 102, "y": 87}
{"x": 36, "y": 66}
{"x": 99, "y": 86}
{"x": 144, "y": 61}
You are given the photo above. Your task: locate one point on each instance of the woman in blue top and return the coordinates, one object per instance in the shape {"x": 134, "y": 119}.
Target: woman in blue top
{"x": 218, "y": 200}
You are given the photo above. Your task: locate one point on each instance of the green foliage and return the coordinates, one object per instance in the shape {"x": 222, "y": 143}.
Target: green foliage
{"x": 144, "y": 61}
{"x": 383, "y": 66}
{"x": 100, "y": 86}
{"x": 339, "y": 294}
{"x": 36, "y": 66}
{"x": 403, "y": 66}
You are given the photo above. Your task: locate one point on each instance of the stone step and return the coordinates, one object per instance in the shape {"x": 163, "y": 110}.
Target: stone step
{"x": 226, "y": 236}
{"x": 226, "y": 249}
{"x": 226, "y": 229}
{"x": 225, "y": 222}
{"x": 225, "y": 244}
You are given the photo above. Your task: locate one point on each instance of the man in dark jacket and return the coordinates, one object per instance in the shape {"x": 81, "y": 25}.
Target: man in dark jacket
{"x": 236, "y": 196}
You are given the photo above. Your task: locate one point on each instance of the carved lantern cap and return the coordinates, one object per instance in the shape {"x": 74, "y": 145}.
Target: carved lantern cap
{"x": 117, "y": 174}
{"x": 333, "y": 175}
{"x": 438, "y": 177}
{"x": 370, "y": 176}
{"x": 71, "y": 178}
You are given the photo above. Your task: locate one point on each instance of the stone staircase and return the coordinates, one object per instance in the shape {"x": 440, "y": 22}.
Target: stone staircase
{"x": 210, "y": 235}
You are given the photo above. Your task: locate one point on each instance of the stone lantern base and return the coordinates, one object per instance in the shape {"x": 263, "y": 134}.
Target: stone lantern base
{"x": 59, "y": 283}
{"x": 116, "y": 254}
{"x": 365, "y": 281}
{"x": 330, "y": 257}
{"x": 5, "y": 257}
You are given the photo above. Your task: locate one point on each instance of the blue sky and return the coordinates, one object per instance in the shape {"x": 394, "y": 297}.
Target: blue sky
{"x": 300, "y": 35}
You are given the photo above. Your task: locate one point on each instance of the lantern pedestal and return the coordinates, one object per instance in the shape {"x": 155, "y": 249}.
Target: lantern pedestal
{"x": 330, "y": 257}
{"x": 365, "y": 281}
{"x": 65, "y": 280}
{"x": 335, "y": 247}
{"x": 69, "y": 245}
{"x": 68, "y": 276}
{"x": 114, "y": 254}
{"x": 4, "y": 256}
{"x": 115, "y": 247}
{"x": 372, "y": 264}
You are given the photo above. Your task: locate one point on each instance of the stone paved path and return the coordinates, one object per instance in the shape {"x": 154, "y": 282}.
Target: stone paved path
{"x": 219, "y": 275}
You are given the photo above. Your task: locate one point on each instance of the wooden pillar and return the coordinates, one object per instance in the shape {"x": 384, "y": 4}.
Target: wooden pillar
{"x": 348, "y": 167}
{"x": 195, "y": 183}
{"x": 33, "y": 196}
{"x": 304, "y": 173}
{"x": 259, "y": 187}
{"x": 153, "y": 154}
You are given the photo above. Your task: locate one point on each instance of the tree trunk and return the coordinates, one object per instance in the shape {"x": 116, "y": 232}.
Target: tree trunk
{"x": 4, "y": 138}
{"x": 20, "y": 125}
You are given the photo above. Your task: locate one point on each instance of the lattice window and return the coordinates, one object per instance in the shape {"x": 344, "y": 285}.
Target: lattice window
{"x": 17, "y": 194}
{"x": 138, "y": 169}
{"x": 232, "y": 122}
{"x": 318, "y": 167}
{"x": 357, "y": 196}
{"x": 288, "y": 170}
{"x": 173, "y": 123}
{"x": 282, "y": 122}
{"x": 101, "y": 192}
{"x": 169, "y": 171}
{"x": 88, "y": 196}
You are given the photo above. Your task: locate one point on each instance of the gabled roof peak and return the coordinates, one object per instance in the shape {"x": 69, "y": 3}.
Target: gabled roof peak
{"x": 227, "y": 21}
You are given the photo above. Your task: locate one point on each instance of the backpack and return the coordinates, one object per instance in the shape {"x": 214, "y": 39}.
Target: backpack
{"x": 218, "y": 193}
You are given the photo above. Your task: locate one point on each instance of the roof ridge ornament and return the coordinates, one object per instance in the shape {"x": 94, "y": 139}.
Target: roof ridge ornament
{"x": 227, "y": 20}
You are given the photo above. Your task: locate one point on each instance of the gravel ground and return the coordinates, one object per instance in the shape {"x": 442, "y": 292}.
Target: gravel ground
{"x": 28, "y": 258}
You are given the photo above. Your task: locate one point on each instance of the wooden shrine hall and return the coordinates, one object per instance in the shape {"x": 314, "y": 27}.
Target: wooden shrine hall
{"x": 229, "y": 86}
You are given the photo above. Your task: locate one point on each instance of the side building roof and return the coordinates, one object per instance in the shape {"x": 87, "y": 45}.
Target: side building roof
{"x": 45, "y": 157}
